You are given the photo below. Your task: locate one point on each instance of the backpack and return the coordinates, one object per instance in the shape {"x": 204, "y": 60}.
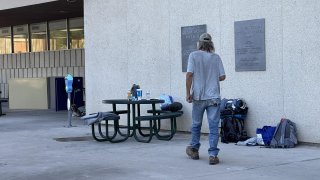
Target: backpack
{"x": 79, "y": 112}
{"x": 285, "y": 135}
{"x": 232, "y": 130}
{"x": 175, "y": 106}
{"x": 233, "y": 106}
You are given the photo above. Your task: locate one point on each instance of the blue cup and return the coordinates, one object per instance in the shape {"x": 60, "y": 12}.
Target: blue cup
{"x": 139, "y": 94}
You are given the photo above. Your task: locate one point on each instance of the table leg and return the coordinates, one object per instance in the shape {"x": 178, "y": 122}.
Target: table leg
{"x": 138, "y": 127}
{"x": 156, "y": 123}
{"x": 129, "y": 119}
{"x": 139, "y": 124}
{"x": 117, "y": 127}
{"x": 94, "y": 135}
{"x": 134, "y": 126}
{"x": 106, "y": 135}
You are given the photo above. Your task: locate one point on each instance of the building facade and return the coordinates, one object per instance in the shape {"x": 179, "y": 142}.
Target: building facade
{"x": 139, "y": 41}
{"x": 41, "y": 39}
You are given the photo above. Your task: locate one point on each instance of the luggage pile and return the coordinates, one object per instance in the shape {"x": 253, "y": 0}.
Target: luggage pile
{"x": 282, "y": 136}
{"x": 233, "y": 113}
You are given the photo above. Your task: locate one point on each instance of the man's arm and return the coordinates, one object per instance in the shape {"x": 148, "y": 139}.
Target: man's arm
{"x": 189, "y": 76}
{"x": 222, "y": 78}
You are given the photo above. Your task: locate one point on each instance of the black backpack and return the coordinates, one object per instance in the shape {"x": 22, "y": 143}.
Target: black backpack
{"x": 233, "y": 106}
{"x": 232, "y": 130}
{"x": 285, "y": 135}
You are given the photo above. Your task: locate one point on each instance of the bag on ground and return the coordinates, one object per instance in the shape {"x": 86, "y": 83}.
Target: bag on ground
{"x": 285, "y": 135}
{"x": 233, "y": 113}
{"x": 265, "y": 134}
{"x": 232, "y": 130}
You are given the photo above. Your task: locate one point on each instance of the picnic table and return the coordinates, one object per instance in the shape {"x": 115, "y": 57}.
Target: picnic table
{"x": 134, "y": 125}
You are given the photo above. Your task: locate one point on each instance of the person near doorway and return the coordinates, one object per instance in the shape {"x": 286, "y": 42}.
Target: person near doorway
{"x": 204, "y": 73}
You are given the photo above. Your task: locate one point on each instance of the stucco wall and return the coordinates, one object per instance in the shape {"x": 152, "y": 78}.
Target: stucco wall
{"x": 139, "y": 42}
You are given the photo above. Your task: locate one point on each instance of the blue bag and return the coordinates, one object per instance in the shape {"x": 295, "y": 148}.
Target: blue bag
{"x": 167, "y": 101}
{"x": 267, "y": 133}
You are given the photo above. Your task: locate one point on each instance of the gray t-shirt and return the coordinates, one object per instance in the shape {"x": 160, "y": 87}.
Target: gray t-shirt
{"x": 206, "y": 68}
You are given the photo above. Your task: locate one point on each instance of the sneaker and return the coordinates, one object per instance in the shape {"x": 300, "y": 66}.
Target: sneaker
{"x": 213, "y": 160}
{"x": 193, "y": 153}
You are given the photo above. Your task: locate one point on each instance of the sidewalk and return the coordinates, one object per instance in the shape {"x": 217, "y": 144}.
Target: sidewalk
{"x": 29, "y": 151}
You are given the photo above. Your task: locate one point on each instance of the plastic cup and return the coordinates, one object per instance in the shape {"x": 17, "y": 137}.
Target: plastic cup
{"x": 139, "y": 94}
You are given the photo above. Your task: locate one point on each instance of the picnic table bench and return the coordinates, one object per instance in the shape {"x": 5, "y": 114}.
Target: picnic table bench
{"x": 155, "y": 125}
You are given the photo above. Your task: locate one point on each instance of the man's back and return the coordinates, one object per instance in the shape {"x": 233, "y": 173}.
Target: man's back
{"x": 206, "y": 68}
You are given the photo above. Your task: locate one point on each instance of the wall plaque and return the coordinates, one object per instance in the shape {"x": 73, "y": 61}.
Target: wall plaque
{"x": 189, "y": 38}
{"x": 249, "y": 43}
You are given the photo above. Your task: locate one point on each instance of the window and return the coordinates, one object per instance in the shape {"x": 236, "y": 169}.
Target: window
{"x": 76, "y": 33}
{"x": 5, "y": 40}
{"x": 20, "y": 39}
{"x": 58, "y": 35}
{"x": 38, "y": 37}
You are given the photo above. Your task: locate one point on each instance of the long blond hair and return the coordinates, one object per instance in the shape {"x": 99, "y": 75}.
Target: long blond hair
{"x": 206, "y": 46}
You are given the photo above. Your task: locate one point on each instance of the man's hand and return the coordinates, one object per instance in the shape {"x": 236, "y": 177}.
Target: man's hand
{"x": 222, "y": 78}
{"x": 189, "y": 98}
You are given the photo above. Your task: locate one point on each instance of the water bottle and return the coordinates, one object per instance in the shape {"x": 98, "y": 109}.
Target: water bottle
{"x": 148, "y": 95}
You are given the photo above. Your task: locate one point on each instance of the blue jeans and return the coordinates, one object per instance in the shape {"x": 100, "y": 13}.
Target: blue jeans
{"x": 212, "y": 108}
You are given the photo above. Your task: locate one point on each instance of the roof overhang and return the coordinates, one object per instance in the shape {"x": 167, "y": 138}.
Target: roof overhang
{"x": 54, "y": 10}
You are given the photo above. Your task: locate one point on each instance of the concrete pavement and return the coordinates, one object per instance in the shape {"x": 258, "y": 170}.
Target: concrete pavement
{"x": 29, "y": 151}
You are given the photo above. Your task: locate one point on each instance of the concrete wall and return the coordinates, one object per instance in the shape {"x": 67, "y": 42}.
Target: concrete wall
{"x": 139, "y": 41}
{"x": 39, "y": 64}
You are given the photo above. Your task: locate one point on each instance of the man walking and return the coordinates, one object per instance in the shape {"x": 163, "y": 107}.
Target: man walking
{"x": 204, "y": 73}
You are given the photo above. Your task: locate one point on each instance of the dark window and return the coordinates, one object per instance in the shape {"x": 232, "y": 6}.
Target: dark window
{"x": 58, "y": 35}
{"x": 76, "y": 33}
